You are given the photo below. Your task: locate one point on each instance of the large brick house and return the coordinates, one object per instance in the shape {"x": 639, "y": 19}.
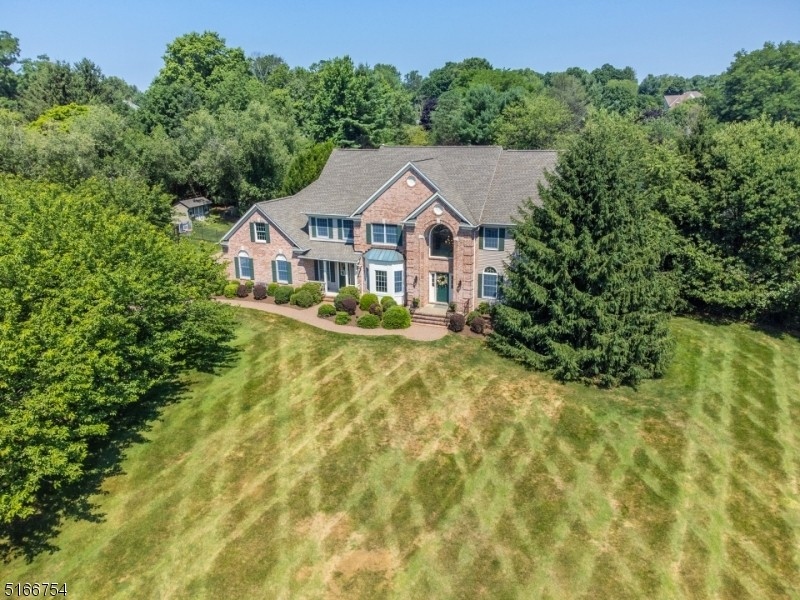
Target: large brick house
{"x": 431, "y": 223}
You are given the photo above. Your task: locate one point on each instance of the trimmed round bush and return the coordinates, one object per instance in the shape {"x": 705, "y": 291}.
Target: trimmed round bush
{"x": 283, "y": 294}
{"x": 250, "y": 284}
{"x": 349, "y": 305}
{"x": 230, "y": 290}
{"x": 367, "y": 300}
{"x": 351, "y": 290}
{"x": 471, "y": 316}
{"x": 242, "y": 291}
{"x": 326, "y": 310}
{"x": 369, "y": 321}
{"x": 376, "y": 309}
{"x": 272, "y": 288}
{"x": 397, "y": 317}
{"x": 477, "y": 325}
{"x": 342, "y": 318}
{"x": 303, "y": 299}
{"x": 456, "y": 322}
{"x": 387, "y": 301}
{"x": 484, "y": 308}
{"x": 315, "y": 289}
{"x": 259, "y": 291}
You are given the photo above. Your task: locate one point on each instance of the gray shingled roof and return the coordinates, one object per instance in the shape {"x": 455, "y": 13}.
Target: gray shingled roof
{"x": 485, "y": 183}
{"x": 192, "y": 202}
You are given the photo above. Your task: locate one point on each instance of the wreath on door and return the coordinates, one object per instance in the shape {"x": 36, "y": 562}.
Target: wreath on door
{"x": 442, "y": 280}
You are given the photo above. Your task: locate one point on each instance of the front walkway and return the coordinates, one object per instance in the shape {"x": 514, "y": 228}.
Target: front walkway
{"x": 418, "y": 332}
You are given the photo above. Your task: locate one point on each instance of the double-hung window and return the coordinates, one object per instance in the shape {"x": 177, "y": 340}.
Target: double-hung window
{"x": 283, "y": 270}
{"x": 398, "y": 282}
{"x": 262, "y": 234}
{"x": 491, "y": 238}
{"x": 489, "y": 285}
{"x": 381, "y": 282}
{"x": 324, "y": 228}
{"x": 244, "y": 266}
{"x": 347, "y": 231}
{"x": 385, "y": 234}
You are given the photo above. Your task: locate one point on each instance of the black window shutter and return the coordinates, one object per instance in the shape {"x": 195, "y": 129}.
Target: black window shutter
{"x": 480, "y": 238}
{"x": 252, "y": 232}
{"x": 369, "y": 233}
{"x": 501, "y": 239}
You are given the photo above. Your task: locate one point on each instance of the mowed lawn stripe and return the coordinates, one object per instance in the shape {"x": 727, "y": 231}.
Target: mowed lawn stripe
{"x": 319, "y": 465}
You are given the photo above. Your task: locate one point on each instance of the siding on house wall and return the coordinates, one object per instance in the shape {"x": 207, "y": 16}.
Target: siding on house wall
{"x": 496, "y": 258}
{"x": 264, "y": 253}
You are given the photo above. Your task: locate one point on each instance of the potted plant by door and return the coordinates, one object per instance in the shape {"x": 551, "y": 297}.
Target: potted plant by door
{"x": 414, "y": 305}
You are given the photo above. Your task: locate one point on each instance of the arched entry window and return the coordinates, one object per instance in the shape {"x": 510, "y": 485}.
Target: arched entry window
{"x": 441, "y": 242}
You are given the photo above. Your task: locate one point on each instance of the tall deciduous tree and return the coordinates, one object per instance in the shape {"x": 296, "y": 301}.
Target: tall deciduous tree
{"x": 765, "y": 81}
{"x": 97, "y": 307}
{"x": 585, "y": 296}
{"x": 743, "y": 252}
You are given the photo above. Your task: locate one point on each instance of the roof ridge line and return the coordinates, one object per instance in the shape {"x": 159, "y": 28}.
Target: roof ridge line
{"x": 489, "y": 187}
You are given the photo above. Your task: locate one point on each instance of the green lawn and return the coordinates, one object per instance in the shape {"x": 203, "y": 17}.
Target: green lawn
{"x": 326, "y": 466}
{"x": 208, "y": 233}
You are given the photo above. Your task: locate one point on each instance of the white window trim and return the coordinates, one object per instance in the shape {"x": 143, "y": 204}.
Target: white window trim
{"x": 430, "y": 243}
{"x": 266, "y": 228}
{"x": 385, "y": 225}
{"x": 490, "y": 271}
{"x": 496, "y": 238}
{"x": 243, "y": 254}
{"x": 281, "y": 259}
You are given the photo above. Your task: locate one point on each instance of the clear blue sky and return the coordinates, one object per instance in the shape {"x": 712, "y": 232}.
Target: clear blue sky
{"x": 686, "y": 37}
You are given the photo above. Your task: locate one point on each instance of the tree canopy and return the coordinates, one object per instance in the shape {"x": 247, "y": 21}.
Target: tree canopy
{"x": 97, "y": 306}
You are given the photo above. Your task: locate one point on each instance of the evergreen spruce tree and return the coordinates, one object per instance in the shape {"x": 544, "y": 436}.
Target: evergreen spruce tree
{"x": 585, "y": 295}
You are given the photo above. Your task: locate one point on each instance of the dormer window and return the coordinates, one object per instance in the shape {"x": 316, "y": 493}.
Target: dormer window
{"x": 328, "y": 228}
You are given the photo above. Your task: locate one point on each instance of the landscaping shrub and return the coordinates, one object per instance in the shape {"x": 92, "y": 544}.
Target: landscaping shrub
{"x": 340, "y": 297}
{"x": 376, "y": 309}
{"x": 259, "y": 291}
{"x": 471, "y": 316}
{"x": 272, "y": 288}
{"x": 456, "y": 323}
{"x": 451, "y": 306}
{"x": 387, "y": 301}
{"x": 250, "y": 284}
{"x": 351, "y": 290}
{"x": 342, "y": 318}
{"x": 302, "y": 298}
{"x": 230, "y": 290}
{"x": 349, "y": 305}
{"x": 484, "y": 308}
{"x": 477, "y": 325}
{"x": 397, "y": 317}
{"x": 326, "y": 310}
{"x": 369, "y": 321}
{"x": 315, "y": 289}
{"x": 242, "y": 291}
{"x": 283, "y": 294}
{"x": 367, "y": 300}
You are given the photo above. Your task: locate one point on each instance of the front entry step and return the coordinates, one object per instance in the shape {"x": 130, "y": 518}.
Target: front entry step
{"x": 429, "y": 319}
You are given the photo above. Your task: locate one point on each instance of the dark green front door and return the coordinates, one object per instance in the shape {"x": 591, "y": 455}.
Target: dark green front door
{"x": 442, "y": 287}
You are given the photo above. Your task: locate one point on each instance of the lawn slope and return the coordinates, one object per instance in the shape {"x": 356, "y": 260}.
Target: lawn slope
{"x": 322, "y": 465}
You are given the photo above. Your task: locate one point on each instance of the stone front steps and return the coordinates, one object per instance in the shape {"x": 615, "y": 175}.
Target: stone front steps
{"x": 429, "y": 319}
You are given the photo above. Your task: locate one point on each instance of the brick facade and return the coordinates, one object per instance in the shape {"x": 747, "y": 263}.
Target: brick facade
{"x": 264, "y": 253}
{"x": 397, "y": 202}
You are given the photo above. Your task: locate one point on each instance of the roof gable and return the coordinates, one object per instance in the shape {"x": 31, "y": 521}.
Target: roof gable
{"x": 409, "y": 167}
